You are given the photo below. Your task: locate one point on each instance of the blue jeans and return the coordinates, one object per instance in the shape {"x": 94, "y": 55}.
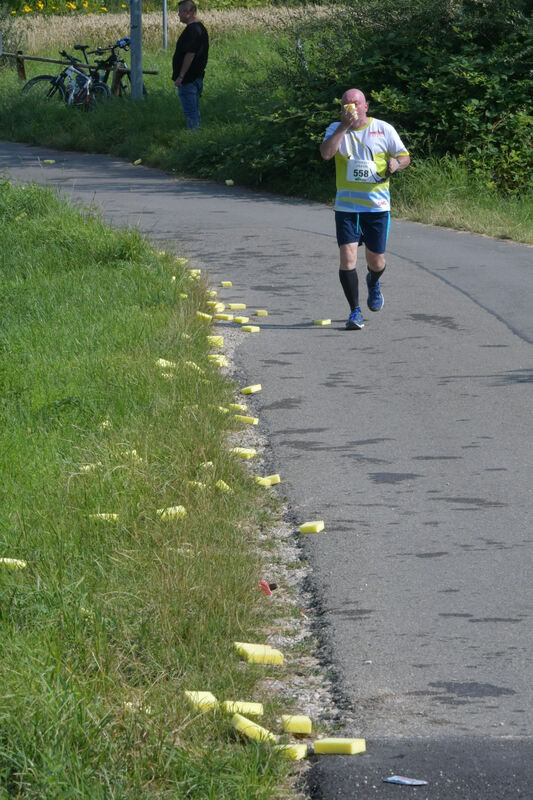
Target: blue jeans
{"x": 189, "y": 95}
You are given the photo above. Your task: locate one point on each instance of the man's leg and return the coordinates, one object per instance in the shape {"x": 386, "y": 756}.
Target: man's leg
{"x": 376, "y": 267}
{"x": 199, "y": 83}
{"x": 347, "y": 238}
{"x": 189, "y": 97}
{"x": 375, "y": 227}
{"x": 348, "y": 273}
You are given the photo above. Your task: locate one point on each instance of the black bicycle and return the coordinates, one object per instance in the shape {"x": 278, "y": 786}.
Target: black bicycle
{"x": 112, "y": 67}
{"x": 73, "y": 85}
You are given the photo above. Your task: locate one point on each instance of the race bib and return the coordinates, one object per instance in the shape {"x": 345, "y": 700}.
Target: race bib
{"x": 357, "y": 169}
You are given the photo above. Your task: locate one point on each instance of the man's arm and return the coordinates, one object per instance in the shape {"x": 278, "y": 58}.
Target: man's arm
{"x": 329, "y": 146}
{"x": 397, "y": 162}
{"x": 187, "y": 61}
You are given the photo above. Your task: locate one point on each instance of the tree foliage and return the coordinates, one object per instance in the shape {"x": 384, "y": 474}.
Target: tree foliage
{"x": 453, "y": 76}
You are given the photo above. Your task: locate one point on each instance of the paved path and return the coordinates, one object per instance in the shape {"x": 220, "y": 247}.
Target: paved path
{"x": 410, "y": 438}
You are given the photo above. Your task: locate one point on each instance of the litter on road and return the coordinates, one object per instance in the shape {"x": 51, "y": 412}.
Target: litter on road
{"x": 314, "y": 526}
{"x": 296, "y": 723}
{"x": 13, "y": 563}
{"x": 242, "y": 707}
{"x": 251, "y": 729}
{"x": 244, "y": 452}
{"x": 202, "y": 701}
{"x": 294, "y": 752}
{"x": 348, "y": 747}
{"x": 258, "y": 653}
{"x": 171, "y": 512}
{"x": 405, "y": 781}
{"x": 246, "y": 420}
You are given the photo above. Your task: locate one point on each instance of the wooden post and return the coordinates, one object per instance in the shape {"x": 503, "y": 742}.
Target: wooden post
{"x": 115, "y": 84}
{"x": 21, "y": 70}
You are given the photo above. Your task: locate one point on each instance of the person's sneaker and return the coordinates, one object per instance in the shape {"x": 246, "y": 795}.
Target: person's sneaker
{"x": 375, "y": 297}
{"x": 355, "y": 320}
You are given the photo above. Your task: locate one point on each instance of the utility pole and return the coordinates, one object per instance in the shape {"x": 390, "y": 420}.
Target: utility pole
{"x": 136, "y": 35}
{"x": 165, "y": 37}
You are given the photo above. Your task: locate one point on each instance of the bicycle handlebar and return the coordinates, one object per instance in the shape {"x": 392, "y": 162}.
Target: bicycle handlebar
{"x": 123, "y": 44}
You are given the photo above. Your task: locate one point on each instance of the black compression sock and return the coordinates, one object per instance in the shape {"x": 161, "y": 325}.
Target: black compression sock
{"x": 350, "y": 285}
{"x": 375, "y": 276}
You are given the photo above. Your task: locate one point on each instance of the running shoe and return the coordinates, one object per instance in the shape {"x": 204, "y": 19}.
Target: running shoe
{"x": 375, "y": 297}
{"x": 355, "y": 320}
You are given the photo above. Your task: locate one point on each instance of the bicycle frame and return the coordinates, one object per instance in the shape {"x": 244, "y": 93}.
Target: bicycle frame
{"x": 110, "y": 65}
{"x": 77, "y": 85}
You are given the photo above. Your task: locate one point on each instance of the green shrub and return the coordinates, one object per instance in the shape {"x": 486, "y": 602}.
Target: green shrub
{"x": 453, "y": 81}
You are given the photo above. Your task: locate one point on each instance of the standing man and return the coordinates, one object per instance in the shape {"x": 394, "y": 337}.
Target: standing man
{"x": 189, "y": 62}
{"x": 367, "y": 152}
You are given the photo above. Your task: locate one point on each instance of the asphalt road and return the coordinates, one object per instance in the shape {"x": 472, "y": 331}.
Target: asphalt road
{"x": 410, "y": 438}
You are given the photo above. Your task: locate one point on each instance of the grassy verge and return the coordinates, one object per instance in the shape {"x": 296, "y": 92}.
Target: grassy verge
{"x": 242, "y": 83}
{"x": 111, "y": 619}
{"x": 443, "y": 192}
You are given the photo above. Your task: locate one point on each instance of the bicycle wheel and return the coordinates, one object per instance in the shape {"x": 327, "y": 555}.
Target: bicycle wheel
{"x": 122, "y": 87}
{"x": 99, "y": 93}
{"x": 44, "y": 86}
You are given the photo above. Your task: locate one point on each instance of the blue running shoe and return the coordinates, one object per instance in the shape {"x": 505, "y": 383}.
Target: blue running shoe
{"x": 355, "y": 320}
{"x": 375, "y": 297}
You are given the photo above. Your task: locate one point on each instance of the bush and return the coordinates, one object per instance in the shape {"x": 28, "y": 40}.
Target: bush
{"x": 453, "y": 81}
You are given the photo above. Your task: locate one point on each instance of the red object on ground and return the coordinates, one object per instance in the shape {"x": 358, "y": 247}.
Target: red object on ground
{"x": 263, "y": 585}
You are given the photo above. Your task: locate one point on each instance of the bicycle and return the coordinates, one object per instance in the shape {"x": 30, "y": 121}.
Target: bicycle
{"x": 112, "y": 65}
{"x": 73, "y": 86}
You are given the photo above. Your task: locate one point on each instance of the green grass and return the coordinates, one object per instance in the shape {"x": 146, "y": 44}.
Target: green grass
{"x": 443, "y": 192}
{"x": 244, "y": 81}
{"x": 111, "y": 620}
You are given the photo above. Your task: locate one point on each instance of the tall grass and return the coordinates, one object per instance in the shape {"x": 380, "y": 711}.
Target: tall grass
{"x": 443, "y": 192}
{"x": 112, "y": 619}
{"x": 36, "y": 34}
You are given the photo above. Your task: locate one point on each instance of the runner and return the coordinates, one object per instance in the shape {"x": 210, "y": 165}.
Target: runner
{"x": 367, "y": 152}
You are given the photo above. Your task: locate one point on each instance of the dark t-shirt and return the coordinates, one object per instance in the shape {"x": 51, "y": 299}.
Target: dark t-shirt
{"x": 194, "y": 39}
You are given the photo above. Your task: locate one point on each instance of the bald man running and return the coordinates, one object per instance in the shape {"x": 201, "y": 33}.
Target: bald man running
{"x": 367, "y": 152}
